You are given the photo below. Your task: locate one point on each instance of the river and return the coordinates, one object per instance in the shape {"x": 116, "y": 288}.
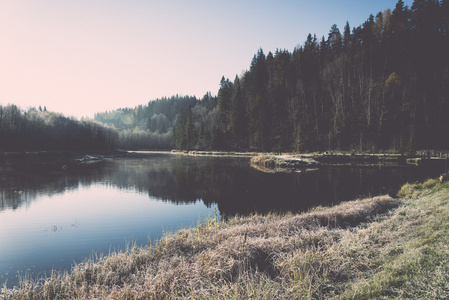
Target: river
{"x": 52, "y": 219}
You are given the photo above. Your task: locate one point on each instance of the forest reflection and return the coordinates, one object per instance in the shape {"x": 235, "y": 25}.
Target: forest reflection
{"x": 230, "y": 182}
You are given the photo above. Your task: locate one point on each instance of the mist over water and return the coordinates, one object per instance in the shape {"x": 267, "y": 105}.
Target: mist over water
{"x": 51, "y": 219}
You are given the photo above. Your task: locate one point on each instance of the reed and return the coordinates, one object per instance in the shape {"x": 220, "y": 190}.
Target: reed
{"x": 368, "y": 248}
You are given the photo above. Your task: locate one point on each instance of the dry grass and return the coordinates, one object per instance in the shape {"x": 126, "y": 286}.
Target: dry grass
{"x": 270, "y": 163}
{"x": 265, "y": 161}
{"x": 358, "y": 249}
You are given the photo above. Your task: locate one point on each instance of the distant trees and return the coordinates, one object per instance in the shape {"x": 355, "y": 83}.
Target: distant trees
{"x": 40, "y": 130}
{"x": 149, "y": 126}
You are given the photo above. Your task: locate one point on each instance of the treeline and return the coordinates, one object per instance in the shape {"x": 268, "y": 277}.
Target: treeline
{"x": 383, "y": 85}
{"x": 148, "y": 126}
{"x": 40, "y": 130}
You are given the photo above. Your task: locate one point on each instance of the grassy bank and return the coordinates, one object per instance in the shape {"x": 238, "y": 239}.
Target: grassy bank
{"x": 370, "y": 248}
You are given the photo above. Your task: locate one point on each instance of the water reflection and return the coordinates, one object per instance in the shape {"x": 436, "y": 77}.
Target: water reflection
{"x": 239, "y": 189}
{"x": 229, "y": 182}
{"x": 20, "y": 184}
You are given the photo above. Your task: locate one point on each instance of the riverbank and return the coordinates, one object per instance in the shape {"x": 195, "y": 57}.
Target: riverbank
{"x": 278, "y": 162}
{"x": 216, "y": 153}
{"x": 266, "y": 162}
{"x": 310, "y": 161}
{"x": 370, "y": 248}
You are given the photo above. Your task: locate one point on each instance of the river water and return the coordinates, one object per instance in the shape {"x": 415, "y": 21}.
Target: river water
{"x": 53, "y": 219}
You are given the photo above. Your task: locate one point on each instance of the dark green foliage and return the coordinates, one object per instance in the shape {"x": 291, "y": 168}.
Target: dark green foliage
{"x": 180, "y": 136}
{"x": 260, "y": 116}
{"x": 186, "y": 136}
{"x": 239, "y": 123}
{"x": 225, "y": 102}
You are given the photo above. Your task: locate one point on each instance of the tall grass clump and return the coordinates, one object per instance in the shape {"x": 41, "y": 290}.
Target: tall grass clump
{"x": 368, "y": 248}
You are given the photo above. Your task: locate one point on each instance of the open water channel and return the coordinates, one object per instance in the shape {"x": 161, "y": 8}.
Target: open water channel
{"x": 53, "y": 219}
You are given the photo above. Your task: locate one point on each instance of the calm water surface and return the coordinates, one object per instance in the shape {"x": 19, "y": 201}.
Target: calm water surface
{"x": 53, "y": 219}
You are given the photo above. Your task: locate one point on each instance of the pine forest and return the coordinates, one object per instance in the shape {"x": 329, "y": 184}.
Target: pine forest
{"x": 380, "y": 86}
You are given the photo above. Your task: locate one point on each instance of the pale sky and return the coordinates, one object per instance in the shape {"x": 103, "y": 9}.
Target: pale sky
{"x": 80, "y": 57}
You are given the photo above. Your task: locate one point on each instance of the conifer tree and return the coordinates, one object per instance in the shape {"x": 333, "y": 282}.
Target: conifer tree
{"x": 239, "y": 119}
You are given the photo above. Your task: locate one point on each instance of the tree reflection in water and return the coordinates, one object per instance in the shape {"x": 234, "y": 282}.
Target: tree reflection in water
{"x": 229, "y": 182}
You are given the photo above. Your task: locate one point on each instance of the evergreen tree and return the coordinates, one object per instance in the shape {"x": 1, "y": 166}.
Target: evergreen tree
{"x": 225, "y": 102}
{"x": 258, "y": 102}
{"x": 239, "y": 119}
{"x": 335, "y": 39}
{"x": 190, "y": 133}
{"x": 347, "y": 39}
{"x": 180, "y": 130}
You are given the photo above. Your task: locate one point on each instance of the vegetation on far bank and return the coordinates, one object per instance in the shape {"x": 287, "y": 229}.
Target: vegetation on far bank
{"x": 369, "y": 248}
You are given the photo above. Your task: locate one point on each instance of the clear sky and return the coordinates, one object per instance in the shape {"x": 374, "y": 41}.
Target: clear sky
{"x": 79, "y": 57}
